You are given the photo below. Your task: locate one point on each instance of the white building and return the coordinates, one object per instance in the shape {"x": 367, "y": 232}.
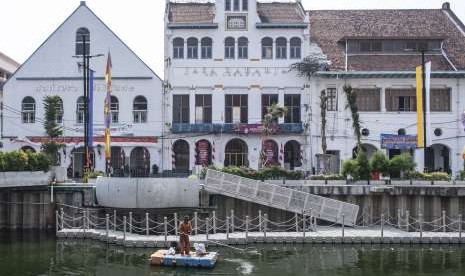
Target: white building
{"x": 7, "y": 67}
{"x": 225, "y": 62}
{"x": 376, "y": 52}
{"x": 52, "y": 70}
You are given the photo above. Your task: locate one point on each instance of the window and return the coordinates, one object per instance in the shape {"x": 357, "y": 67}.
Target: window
{"x": 82, "y": 41}
{"x": 368, "y": 99}
{"x": 192, "y": 48}
{"x": 236, "y": 109}
{"x": 242, "y": 48}
{"x": 331, "y": 95}
{"x": 178, "y": 48}
{"x": 227, "y": 5}
{"x": 206, "y": 47}
{"x": 80, "y": 107}
{"x": 203, "y": 109}
{"x": 236, "y": 22}
{"x": 267, "y": 48}
{"x": 59, "y": 119}
{"x": 229, "y": 45}
{"x": 393, "y": 45}
{"x": 292, "y": 102}
{"x": 28, "y": 110}
{"x": 401, "y": 99}
{"x": 440, "y": 100}
{"x": 236, "y": 5}
{"x": 281, "y": 48}
{"x": 267, "y": 101}
{"x": 296, "y": 48}
{"x": 139, "y": 110}
{"x": 245, "y": 5}
{"x": 114, "y": 110}
{"x": 181, "y": 109}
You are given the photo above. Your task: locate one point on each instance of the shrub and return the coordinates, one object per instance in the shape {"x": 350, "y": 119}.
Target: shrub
{"x": 95, "y": 174}
{"x": 436, "y": 176}
{"x": 262, "y": 174}
{"x": 400, "y": 164}
{"x": 379, "y": 163}
{"x": 462, "y": 176}
{"x": 363, "y": 171}
{"x": 16, "y": 161}
{"x": 349, "y": 167}
{"x": 328, "y": 177}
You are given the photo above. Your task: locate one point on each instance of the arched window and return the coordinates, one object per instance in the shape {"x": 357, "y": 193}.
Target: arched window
{"x": 206, "y": 47}
{"x": 28, "y": 110}
{"x": 181, "y": 156}
{"x": 267, "y": 48}
{"x": 80, "y": 107}
{"x": 229, "y": 48}
{"x": 60, "y": 112}
{"x": 82, "y": 41}
{"x": 140, "y": 162}
{"x": 192, "y": 48}
{"x": 140, "y": 110}
{"x": 296, "y": 48}
{"x": 114, "y": 110}
{"x": 236, "y": 153}
{"x": 242, "y": 48}
{"x": 281, "y": 48}
{"x": 178, "y": 48}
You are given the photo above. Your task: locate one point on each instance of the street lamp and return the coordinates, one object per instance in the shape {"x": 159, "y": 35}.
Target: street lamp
{"x": 85, "y": 77}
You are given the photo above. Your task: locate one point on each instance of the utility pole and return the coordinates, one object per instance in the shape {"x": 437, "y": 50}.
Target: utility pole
{"x": 85, "y": 66}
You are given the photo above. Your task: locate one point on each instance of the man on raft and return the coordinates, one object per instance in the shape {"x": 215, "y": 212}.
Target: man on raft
{"x": 185, "y": 229}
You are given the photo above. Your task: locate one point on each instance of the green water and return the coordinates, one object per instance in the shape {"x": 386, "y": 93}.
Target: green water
{"x": 41, "y": 254}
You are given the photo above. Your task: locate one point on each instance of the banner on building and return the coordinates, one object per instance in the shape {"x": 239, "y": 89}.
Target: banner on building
{"x": 402, "y": 142}
{"x": 423, "y": 110}
{"x": 203, "y": 152}
{"x": 107, "y": 112}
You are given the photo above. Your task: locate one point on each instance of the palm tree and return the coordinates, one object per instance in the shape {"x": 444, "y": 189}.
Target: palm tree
{"x": 351, "y": 96}
{"x": 274, "y": 112}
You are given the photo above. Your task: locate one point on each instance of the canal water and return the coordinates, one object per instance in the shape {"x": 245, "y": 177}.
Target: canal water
{"x": 41, "y": 254}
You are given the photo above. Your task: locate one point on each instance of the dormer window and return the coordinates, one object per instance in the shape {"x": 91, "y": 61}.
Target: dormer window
{"x": 374, "y": 46}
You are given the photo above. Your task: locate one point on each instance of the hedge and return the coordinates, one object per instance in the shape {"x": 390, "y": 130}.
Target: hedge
{"x": 17, "y": 161}
{"x": 262, "y": 174}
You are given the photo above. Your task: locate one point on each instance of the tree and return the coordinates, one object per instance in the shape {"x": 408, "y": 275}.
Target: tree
{"x": 352, "y": 105}
{"x": 274, "y": 112}
{"x": 379, "y": 163}
{"x": 52, "y": 128}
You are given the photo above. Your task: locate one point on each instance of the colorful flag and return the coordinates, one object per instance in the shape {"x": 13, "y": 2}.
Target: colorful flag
{"x": 107, "y": 111}
{"x": 420, "y": 112}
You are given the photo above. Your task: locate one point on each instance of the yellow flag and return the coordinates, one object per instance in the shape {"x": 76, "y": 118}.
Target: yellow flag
{"x": 420, "y": 121}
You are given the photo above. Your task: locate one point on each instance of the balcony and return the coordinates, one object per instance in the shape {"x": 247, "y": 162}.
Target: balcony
{"x": 236, "y": 128}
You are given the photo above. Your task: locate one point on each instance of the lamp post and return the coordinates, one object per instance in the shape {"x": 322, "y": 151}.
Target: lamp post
{"x": 85, "y": 79}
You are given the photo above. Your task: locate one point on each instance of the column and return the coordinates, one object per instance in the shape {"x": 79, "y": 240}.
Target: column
{"x": 383, "y": 98}
{"x": 255, "y": 105}
{"x": 192, "y": 106}
{"x": 281, "y": 102}
{"x": 218, "y": 102}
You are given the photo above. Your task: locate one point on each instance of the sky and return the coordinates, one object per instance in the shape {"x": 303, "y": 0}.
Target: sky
{"x": 139, "y": 23}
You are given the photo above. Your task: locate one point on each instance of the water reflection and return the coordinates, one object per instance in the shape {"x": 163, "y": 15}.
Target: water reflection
{"x": 39, "y": 254}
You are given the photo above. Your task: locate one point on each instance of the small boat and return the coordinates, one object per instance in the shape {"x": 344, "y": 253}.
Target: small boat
{"x": 164, "y": 258}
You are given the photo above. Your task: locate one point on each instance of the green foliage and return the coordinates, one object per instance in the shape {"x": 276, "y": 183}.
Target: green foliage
{"x": 401, "y": 163}
{"x": 349, "y": 167}
{"x": 310, "y": 65}
{"x": 262, "y": 174}
{"x": 52, "y": 148}
{"x": 351, "y": 96}
{"x": 435, "y": 176}
{"x": 94, "y": 174}
{"x": 323, "y": 108}
{"x": 363, "y": 171}
{"x": 462, "y": 176}
{"x": 52, "y": 108}
{"x": 328, "y": 177}
{"x": 379, "y": 163}
{"x": 17, "y": 161}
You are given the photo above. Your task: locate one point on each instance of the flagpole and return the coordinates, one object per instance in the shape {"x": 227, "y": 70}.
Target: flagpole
{"x": 423, "y": 76}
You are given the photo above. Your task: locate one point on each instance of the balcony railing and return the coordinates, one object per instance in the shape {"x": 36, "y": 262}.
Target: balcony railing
{"x": 236, "y": 128}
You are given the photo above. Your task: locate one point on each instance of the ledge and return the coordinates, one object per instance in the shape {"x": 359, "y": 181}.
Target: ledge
{"x": 235, "y": 128}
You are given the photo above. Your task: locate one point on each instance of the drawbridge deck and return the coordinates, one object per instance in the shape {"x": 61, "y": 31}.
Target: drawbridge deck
{"x": 281, "y": 198}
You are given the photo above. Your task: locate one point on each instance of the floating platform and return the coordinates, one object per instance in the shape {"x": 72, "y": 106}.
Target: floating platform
{"x": 162, "y": 258}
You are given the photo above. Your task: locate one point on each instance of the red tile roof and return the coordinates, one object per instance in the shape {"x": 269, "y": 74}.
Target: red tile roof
{"x": 280, "y": 12}
{"x": 191, "y": 12}
{"x": 329, "y": 27}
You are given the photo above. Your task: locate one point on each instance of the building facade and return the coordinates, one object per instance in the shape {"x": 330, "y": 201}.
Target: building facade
{"x": 225, "y": 63}
{"x": 55, "y": 68}
{"x": 376, "y": 52}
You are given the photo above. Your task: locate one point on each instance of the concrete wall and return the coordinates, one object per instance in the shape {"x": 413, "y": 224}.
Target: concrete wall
{"x": 147, "y": 193}
{"x": 24, "y": 179}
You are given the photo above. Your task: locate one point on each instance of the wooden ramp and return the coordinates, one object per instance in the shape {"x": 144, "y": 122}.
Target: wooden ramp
{"x": 281, "y": 198}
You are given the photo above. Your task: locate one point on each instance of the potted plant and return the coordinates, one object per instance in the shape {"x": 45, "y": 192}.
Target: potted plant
{"x": 379, "y": 165}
